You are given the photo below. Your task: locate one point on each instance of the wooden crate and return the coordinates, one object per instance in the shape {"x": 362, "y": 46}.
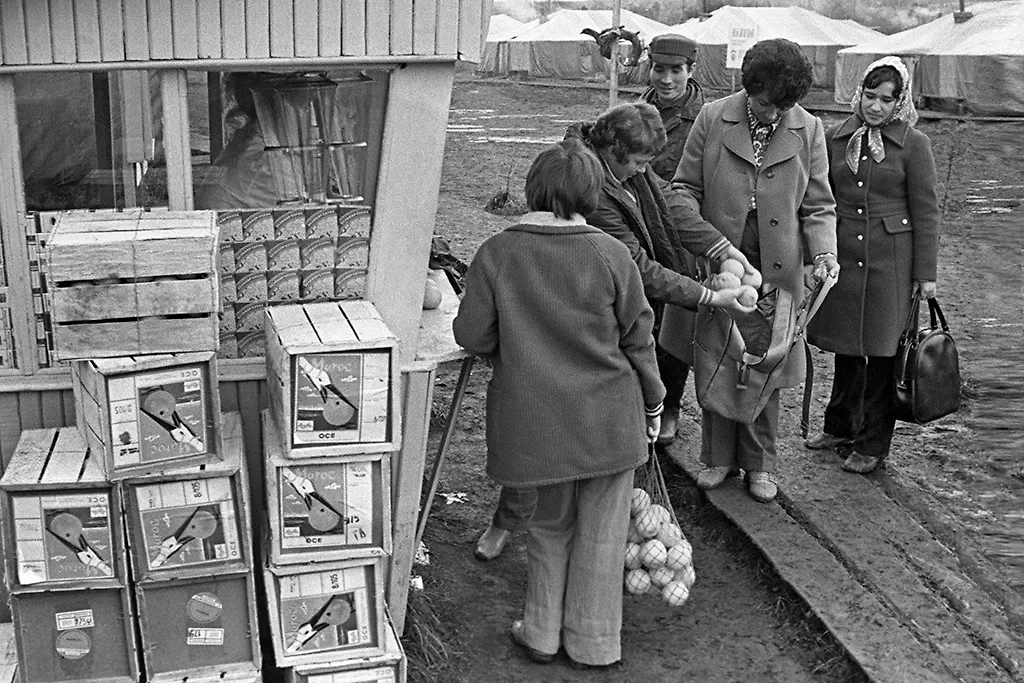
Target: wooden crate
{"x": 325, "y": 508}
{"x": 61, "y": 518}
{"x": 389, "y": 667}
{"x": 149, "y": 413}
{"x": 323, "y": 612}
{"x": 125, "y": 283}
{"x": 75, "y": 635}
{"x": 198, "y": 627}
{"x": 193, "y": 521}
{"x": 333, "y": 373}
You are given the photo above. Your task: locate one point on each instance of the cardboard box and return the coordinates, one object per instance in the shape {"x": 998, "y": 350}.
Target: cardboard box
{"x": 124, "y": 283}
{"x": 75, "y": 635}
{"x": 149, "y": 413}
{"x": 61, "y": 518}
{"x": 389, "y": 667}
{"x": 333, "y": 376}
{"x": 198, "y": 627}
{"x": 323, "y": 509}
{"x": 192, "y": 521}
{"x": 323, "y": 612}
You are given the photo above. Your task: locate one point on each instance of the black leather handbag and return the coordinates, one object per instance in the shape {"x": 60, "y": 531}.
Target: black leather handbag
{"x": 927, "y": 368}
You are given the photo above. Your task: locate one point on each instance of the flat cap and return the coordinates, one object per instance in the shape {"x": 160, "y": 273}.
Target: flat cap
{"x": 672, "y": 48}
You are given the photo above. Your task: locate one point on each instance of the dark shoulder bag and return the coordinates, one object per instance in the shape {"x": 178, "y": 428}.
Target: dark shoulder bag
{"x": 927, "y": 368}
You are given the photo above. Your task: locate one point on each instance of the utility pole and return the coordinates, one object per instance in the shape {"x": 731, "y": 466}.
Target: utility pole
{"x": 613, "y": 69}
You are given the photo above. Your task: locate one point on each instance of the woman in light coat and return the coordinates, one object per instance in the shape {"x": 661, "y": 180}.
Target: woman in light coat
{"x": 883, "y": 175}
{"x": 756, "y": 163}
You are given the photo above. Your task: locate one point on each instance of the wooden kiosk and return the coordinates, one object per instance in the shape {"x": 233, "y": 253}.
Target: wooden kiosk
{"x": 152, "y": 72}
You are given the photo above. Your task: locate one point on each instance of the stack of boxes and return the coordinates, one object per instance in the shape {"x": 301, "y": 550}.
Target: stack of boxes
{"x": 127, "y": 539}
{"x": 329, "y": 436}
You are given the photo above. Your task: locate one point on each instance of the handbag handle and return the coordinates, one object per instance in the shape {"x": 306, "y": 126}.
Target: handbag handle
{"x": 935, "y": 311}
{"x": 910, "y": 329}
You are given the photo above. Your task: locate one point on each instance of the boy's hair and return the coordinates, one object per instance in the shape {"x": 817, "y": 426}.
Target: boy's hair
{"x": 885, "y": 74}
{"x": 627, "y": 129}
{"x": 777, "y": 69}
{"x": 564, "y": 179}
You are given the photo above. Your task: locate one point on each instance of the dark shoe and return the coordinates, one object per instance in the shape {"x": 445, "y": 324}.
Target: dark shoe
{"x": 491, "y": 543}
{"x": 534, "y": 655}
{"x": 825, "y": 441}
{"x": 581, "y": 666}
{"x": 860, "y": 463}
{"x": 761, "y": 486}
{"x": 669, "y": 425}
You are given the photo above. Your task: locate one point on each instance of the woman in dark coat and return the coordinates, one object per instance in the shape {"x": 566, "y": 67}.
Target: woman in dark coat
{"x": 883, "y": 176}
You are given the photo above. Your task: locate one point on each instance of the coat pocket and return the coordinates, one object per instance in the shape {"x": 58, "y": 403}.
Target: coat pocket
{"x": 896, "y": 224}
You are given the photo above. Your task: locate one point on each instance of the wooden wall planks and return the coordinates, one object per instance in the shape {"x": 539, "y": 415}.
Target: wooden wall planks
{"x": 96, "y": 31}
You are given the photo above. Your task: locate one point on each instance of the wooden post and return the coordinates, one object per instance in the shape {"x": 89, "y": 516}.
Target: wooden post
{"x": 613, "y": 69}
{"x": 215, "y": 109}
{"x": 106, "y": 187}
{"x": 12, "y": 224}
{"x": 177, "y": 140}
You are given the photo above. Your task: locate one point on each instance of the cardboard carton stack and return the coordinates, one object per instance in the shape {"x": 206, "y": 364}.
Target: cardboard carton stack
{"x": 153, "y": 472}
{"x": 329, "y": 436}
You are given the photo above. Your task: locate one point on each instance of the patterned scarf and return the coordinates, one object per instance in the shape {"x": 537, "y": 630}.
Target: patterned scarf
{"x": 902, "y": 111}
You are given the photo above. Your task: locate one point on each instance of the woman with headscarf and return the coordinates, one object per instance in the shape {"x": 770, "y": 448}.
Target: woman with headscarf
{"x": 883, "y": 176}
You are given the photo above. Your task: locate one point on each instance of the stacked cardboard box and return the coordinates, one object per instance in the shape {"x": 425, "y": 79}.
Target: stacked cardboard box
{"x": 329, "y": 436}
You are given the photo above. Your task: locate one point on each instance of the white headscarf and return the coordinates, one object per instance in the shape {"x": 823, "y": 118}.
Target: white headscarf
{"x": 903, "y": 110}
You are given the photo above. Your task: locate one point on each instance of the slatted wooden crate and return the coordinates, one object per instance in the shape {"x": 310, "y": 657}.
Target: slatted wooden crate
{"x": 148, "y": 413}
{"x": 198, "y": 627}
{"x": 323, "y": 612}
{"x": 61, "y": 518}
{"x": 389, "y": 667}
{"x": 194, "y": 521}
{"x": 75, "y": 635}
{"x": 325, "y": 508}
{"x": 333, "y": 375}
{"x": 133, "y": 282}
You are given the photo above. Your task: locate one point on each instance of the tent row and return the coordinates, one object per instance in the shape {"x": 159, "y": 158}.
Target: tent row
{"x": 977, "y": 64}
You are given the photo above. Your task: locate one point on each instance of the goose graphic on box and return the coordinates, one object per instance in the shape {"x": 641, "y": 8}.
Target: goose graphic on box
{"x": 341, "y": 397}
{"x": 62, "y": 537}
{"x": 326, "y": 506}
{"x": 159, "y": 415}
{"x": 188, "y": 523}
{"x": 326, "y": 611}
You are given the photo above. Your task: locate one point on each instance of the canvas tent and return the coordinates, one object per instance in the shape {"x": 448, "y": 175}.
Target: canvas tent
{"x": 819, "y": 37}
{"x": 503, "y": 28}
{"x": 556, "y": 48}
{"x": 977, "y": 64}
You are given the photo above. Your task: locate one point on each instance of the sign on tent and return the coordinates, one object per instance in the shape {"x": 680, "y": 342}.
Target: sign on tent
{"x": 741, "y": 38}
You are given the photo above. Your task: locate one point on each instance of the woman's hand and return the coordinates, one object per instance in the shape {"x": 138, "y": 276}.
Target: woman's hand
{"x": 653, "y": 427}
{"x": 726, "y": 298}
{"x": 825, "y": 265}
{"x": 733, "y": 253}
{"x": 927, "y": 288}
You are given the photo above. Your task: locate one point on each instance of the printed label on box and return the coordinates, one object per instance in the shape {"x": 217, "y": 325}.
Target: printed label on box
{"x": 341, "y": 397}
{"x": 73, "y": 644}
{"x": 380, "y": 674}
{"x": 205, "y": 636}
{"x": 158, "y": 415}
{"x": 326, "y": 610}
{"x": 82, "y": 618}
{"x": 63, "y": 537}
{"x": 326, "y": 505}
{"x": 189, "y": 523}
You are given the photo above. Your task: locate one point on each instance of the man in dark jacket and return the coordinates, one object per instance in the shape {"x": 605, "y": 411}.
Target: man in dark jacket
{"x": 678, "y": 98}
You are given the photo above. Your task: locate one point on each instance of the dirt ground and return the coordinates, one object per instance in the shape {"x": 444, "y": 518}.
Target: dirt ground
{"x": 741, "y": 622}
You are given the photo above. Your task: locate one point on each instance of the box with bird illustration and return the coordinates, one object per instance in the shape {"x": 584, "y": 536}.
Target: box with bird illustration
{"x": 61, "y": 518}
{"x": 75, "y": 635}
{"x": 333, "y": 377}
{"x": 201, "y": 627}
{"x": 191, "y": 521}
{"x": 323, "y": 612}
{"x": 132, "y": 282}
{"x": 149, "y": 413}
{"x": 389, "y": 667}
{"x": 325, "y": 508}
